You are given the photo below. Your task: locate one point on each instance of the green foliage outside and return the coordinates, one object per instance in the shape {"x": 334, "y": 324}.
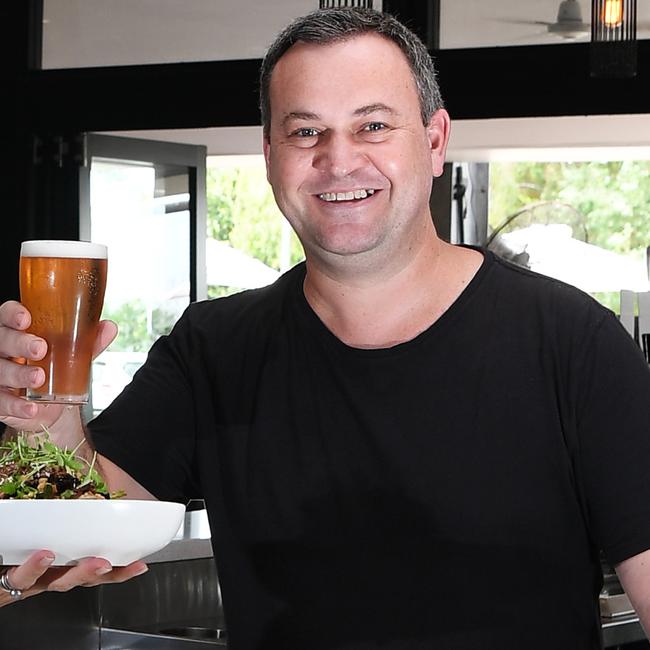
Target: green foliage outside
{"x": 606, "y": 204}
{"x": 242, "y": 211}
{"x": 611, "y": 200}
{"x": 138, "y": 331}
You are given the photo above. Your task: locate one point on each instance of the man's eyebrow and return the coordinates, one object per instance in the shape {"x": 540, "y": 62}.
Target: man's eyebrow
{"x": 374, "y": 108}
{"x": 299, "y": 115}
{"x": 359, "y": 112}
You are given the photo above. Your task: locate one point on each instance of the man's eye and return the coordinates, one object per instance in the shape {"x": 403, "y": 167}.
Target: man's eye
{"x": 374, "y": 127}
{"x": 306, "y": 132}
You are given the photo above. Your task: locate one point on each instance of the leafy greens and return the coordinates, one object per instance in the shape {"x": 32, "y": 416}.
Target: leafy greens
{"x": 38, "y": 469}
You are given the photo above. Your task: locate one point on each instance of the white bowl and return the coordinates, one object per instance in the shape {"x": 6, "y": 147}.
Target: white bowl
{"x": 120, "y": 530}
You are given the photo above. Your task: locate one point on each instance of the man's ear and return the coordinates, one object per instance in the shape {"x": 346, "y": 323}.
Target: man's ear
{"x": 266, "y": 147}
{"x": 438, "y": 131}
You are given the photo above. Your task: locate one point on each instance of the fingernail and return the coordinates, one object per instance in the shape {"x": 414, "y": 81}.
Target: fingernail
{"x": 21, "y": 319}
{"x": 47, "y": 560}
{"x": 35, "y": 377}
{"x": 103, "y": 570}
{"x": 141, "y": 571}
{"x": 36, "y": 348}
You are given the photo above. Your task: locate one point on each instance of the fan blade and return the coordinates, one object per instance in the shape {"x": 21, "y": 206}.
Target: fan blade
{"x": 544, "y": 38}
{"x": 515, "y": 21}
{"x": 525, "y": 39}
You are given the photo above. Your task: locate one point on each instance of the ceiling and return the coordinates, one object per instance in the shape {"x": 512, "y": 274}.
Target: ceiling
{"x": 87, "y": 33}
{"x": 477, "y": 23}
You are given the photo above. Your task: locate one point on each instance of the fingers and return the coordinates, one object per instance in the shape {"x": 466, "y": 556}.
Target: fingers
{"x": 17, "y": 346}
{"x": 86, "y": 573}
{"x": 16, "y": 412}
{"x": 36, "y": 574}
{"x": 89, "y": 572}
{"x": 105, "y": 336}
{"x": 14, "y": 315}
{"x": 25, "y": 576}
{"x": 12, "y": 407}
{"x": 14, "y": 343}
{"x": 124, "y": 573}
{"x": 17, "y": 375}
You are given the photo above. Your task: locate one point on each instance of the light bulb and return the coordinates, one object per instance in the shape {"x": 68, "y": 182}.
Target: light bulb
{"x": 612, "y": 15}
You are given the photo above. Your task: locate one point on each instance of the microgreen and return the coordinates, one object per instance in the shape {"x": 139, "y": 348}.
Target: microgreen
{"x": 23, "y": 459}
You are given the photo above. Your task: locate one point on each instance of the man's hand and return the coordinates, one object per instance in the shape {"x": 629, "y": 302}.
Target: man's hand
{"x": 35, "y": 576}
{"x": 16, "y": 343}
{"x": 63, "y": 422}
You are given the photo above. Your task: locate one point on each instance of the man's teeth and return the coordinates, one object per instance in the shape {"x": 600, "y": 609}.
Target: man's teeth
{"x": 345, "y": 196}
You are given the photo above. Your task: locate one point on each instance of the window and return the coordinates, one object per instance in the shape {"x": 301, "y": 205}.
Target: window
{"x": 249, "y": 242}
{"x": 145, "y": 200}
{"x": 586, "y": 223}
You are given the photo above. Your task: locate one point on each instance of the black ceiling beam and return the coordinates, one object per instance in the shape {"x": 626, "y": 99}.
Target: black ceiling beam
{"x": 523, "y": 81}
{"x": 421, "y": 16}
{"x": 167, "y": 96}
{"x": 537, "y": 81}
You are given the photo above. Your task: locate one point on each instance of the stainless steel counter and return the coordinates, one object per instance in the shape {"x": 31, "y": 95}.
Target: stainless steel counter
{"x": 621, "y": 630}
{"x": 181, "y": 549}
{"x": 192, "y": 542}
{"x": 122, "y": 640}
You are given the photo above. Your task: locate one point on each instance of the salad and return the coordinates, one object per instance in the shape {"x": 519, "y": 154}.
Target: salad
{"x": 36, "y": 468}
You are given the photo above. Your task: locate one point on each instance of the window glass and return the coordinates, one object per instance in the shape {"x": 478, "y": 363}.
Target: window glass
{"x": 586, "y": 223}
{"x": 140, "y": 211}
{"x": 249, "y": 242}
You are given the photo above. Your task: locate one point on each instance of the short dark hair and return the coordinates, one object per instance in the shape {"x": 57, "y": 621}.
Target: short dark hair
{"x": 336, "y": 24}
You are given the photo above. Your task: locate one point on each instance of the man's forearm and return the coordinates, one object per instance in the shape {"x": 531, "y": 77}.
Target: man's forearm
{"x": 634, "y": 574}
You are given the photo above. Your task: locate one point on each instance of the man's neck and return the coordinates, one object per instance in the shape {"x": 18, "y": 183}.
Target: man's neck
{"x": 391, "y": 307}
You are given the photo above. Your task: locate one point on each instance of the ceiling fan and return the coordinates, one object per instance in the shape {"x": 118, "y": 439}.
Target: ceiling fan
{"x": 569, "y": 23}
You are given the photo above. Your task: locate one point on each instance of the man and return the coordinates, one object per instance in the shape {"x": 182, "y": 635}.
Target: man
{"x": 402, "y": 444}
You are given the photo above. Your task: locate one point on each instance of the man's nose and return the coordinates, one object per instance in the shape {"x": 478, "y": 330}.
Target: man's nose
{"x": 339, "y": 155}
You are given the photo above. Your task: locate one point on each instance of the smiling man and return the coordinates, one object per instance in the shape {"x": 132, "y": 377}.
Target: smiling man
{"x": 351, "y": 159}
{"x": 402, "y": 444}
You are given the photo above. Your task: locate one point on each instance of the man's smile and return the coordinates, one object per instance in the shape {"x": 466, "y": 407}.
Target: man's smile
{"x": 346, "y": 196}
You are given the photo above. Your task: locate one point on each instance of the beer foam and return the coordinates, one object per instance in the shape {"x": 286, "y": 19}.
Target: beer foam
{"x": 62, "y": 248}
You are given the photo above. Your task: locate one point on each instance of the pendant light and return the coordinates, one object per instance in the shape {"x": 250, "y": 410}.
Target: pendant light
{"x": 324, "y": 4}
{"x": 613, "y": 38}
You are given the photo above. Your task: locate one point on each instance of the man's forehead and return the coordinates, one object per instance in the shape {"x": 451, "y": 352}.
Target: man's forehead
{"x": 370, "y": 55}
{"x": 303, "y": 50}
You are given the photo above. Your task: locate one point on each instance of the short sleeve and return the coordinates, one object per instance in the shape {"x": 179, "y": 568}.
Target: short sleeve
{"x": 613, "y": 425}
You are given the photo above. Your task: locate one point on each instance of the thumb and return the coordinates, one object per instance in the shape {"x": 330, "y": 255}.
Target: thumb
{"x": 105, "y": 336}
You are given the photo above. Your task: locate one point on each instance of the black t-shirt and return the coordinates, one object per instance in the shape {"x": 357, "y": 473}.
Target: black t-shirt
{"x": 450, "y": 492}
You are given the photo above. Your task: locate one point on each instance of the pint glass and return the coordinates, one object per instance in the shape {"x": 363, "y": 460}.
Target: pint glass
{"x": 62, "y": 284}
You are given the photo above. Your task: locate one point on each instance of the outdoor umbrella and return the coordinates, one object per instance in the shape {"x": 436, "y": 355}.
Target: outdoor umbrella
{"x": 552, "y": 250}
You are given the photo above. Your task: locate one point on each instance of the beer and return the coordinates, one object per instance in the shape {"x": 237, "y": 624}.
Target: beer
{"x": 62, "y": 284}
